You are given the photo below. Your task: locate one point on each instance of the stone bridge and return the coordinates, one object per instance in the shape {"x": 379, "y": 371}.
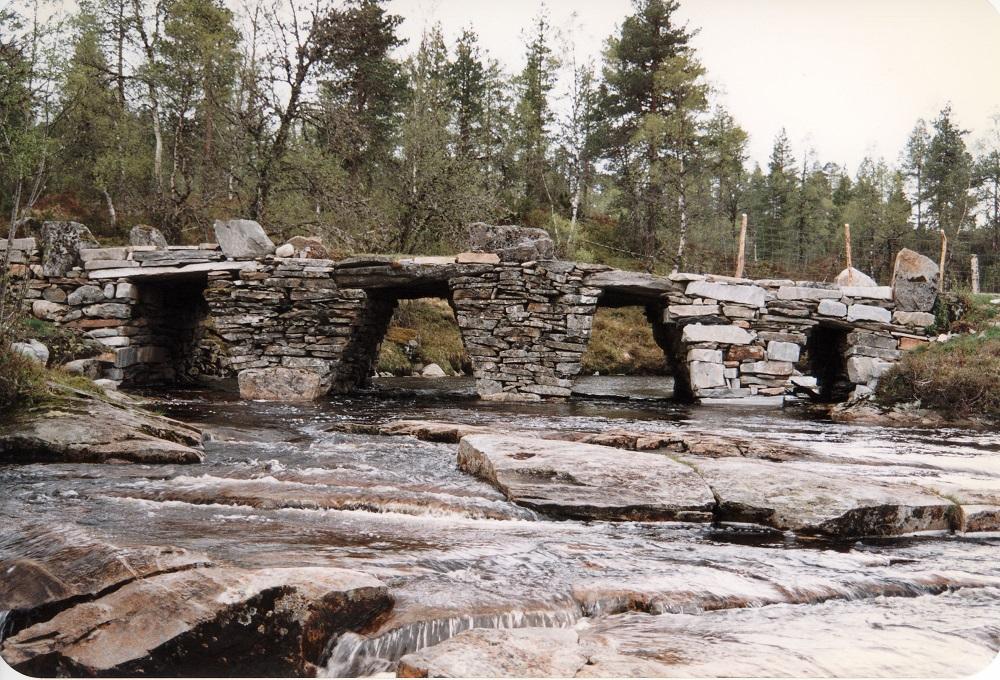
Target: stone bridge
{"x": 298, "y": 327}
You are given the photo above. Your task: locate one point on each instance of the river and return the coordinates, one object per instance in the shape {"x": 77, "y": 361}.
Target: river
{"x": 281, "y": 487}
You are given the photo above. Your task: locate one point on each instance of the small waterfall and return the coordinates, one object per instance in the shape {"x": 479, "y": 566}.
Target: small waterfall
{"x": 4, "y": 618}
{"x": 354, "y": 655}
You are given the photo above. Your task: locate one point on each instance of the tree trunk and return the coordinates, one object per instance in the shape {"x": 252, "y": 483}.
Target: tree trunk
{"x": 682, "y": 208}
{"x": 112, "y": 214}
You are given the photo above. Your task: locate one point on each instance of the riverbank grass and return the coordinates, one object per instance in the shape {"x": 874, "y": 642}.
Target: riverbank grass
{"x": 959, "y": 378}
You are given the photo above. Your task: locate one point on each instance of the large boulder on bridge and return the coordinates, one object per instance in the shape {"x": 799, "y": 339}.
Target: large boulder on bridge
{"x": 914, "y": 281}
{"x": 242, "y": 239}
{"x": 144, "y": 235}
{"x": 510, "y": 242}
{"x": 61, "y": 243}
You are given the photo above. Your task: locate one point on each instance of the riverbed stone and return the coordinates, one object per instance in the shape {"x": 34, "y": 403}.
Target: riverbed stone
{"x": 81, "y": 428}
{"x": 584, "y": 481}
{"x": 514, "y": 653}
{"x": 50, "y": 568}
{"x": 914, "y": 281}
{"x": 242, "y": 239}
{"x": 281, "y": 384}
{"x": 204, "y": 621}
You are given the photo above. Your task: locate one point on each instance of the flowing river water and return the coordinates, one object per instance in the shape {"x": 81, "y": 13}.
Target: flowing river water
{"x": 281, "y": 487}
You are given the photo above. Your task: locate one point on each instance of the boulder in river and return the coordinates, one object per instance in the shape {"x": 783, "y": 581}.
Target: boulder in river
{"x": 583, "y": 481}
{"x": 82, "y": 428}
{"x": 204, "y": 622}
{"x": 914, "y": 281}
{"x": 281, "y": 384}
{"x": 242, "y": 239}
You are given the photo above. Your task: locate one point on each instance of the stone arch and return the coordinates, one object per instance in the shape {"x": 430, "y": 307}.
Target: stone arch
{"x": 376, "y": 307}
{"x": 666, "y": 332}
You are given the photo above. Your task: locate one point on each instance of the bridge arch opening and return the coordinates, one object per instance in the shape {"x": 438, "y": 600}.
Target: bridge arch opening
{"x": 630, "y": 338}
{"x": 404, "y": 333}
{"x": 825, "y": 359}
{"x": 169, "y": 319}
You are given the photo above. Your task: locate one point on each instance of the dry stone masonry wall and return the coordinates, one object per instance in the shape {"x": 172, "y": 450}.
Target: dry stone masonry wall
{"x": 298, "y": 327}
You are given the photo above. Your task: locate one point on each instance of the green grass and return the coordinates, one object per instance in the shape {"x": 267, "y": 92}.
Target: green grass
{"x": 622, "y": 342}
{"x": 431, "y": 324}
{"x": 959, "y": 378}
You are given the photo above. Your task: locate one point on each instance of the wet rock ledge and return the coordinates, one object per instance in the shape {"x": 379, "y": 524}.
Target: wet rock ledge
{"x": 700, "y": 477}
{"x": 79, "y": 427}
{"x": 95, "y": 609}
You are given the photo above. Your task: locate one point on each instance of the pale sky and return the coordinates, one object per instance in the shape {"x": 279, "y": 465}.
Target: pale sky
{"x": 844, "y": 77}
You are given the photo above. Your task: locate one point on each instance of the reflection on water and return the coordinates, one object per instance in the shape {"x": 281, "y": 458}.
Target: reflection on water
{"x": 279, "y": 488}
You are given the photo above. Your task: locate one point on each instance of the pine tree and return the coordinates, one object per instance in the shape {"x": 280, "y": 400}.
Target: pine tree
{"x": 467, "y": 80}
{"x": 914, "y": 161}
{"x": 534, "y": 115}
{"x": 652, "y": 101}
{"x": 949, "y": 178}
{"x": 782, "y": 181}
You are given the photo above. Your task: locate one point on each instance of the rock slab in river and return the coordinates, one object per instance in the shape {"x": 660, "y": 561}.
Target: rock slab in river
{"x": 584, "y": 481}
{"x": 204, "y": 622}
{"x": 242, "y": 239}
{"x": 47, "y": 569}
{"x": 814, "y": 498}
{"x": 914, "y": 281}
{"x": 85, "y": 429}
{"x": 485, "y": 653}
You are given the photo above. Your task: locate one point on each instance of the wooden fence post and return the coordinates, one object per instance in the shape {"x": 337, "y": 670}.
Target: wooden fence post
{"x": 944, "y": 254}
{"x": 742, "y": 250}
{"x": 847, "y": 245}
{"x": 974, "y": 266}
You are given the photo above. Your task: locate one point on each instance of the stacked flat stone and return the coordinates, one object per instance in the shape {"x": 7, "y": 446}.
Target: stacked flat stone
{"x": 316, "y": 324}
{"x": 525, "y": 326}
